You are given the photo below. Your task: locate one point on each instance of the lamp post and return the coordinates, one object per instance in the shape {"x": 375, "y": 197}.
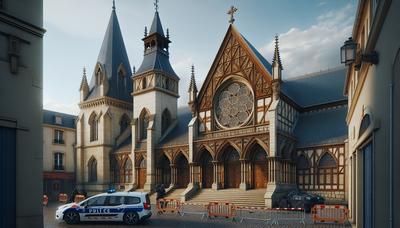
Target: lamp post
{"x": 349, "y": 55}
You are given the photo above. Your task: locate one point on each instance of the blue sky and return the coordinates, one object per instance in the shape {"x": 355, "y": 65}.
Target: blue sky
{"x": 311, "y": 33}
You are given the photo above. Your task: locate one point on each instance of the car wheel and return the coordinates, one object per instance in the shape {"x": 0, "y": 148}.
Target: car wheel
{"x": 71, "y": 217}
{"x": 131, "y": 218}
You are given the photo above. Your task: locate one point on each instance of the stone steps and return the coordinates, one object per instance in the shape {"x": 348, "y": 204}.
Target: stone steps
{"x": 238, "y": 197}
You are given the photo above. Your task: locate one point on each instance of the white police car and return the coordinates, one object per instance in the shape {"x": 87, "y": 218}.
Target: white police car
{"x": 129, "y": 207}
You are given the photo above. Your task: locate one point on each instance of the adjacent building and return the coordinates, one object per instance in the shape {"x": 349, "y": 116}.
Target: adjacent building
{"x": 246, "y": 127}
{"x": 21, "y": 135}
{"x": 59, "y": 155}
{"x": 373, "y": 90}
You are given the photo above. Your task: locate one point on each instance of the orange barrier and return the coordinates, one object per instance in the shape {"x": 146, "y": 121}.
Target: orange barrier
{"x": 79, "y": 198}
{"x": 62, "y": 198}
{"x": 330, "y": 213}
{"x": 221, "y": 209}
{"x": 194, "y": 209}
{"x": 45, "y": 200}
{"x": 168, "y": 205}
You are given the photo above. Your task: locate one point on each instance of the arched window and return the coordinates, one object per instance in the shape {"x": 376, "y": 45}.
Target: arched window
{"x": 165, "y": 121}
{"x": 92, "y": 170}
{"x": 128, "y": 171}
{"x": 93, "y": 123}
{"x": 124, "y": 123}
{"x": 303, "y": 172}
{"x": 98, "y": 75}
{"x": 143, "y": 124}
{"x": 365, "y": 123}
{"x": 327, "y": 172}
{"x": 144, "y": 83}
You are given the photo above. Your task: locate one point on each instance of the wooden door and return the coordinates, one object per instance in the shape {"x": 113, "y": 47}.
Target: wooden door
{"x": 232, "y": 170}
{"x": 141, "y": 177}
{"x": 207, "y": 172}
{"x": 183, "y": 172}
{"x": 260, "y": 175}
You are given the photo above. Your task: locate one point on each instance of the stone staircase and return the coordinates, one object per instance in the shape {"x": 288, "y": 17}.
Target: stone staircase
{"x": 251, "y": 198}
{"x": 175, "y": 194}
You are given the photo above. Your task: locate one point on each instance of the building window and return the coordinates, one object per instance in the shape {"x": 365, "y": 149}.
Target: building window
{"x": 92, "y": 170}
{"x": 58, "y": 161}
{"x": 365, "y": 123}
{"x": 58, "y": 137}
{"x": 327, "y": 172}
{"x": 93, "y": 123}
{"x": 165, "y": 121}
{"x": 143, "y": 125}
{"x": 128, "y": 171}
{"x": 303, "y": 172}
{"x": 144, "y": 83}
{"x": 114, "y": 170}
{"x": 58, "y": 120}
{"x": 124, "y": 123}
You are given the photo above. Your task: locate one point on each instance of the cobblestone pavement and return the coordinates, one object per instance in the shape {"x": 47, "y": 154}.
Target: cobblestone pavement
{"x": 190, "y": 221}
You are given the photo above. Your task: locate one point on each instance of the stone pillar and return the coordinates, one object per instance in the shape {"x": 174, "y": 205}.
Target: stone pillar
{"x": 217, "y": 169}
{"x": 274, "y": 179}
{"x": 244, "y": 174}
{"x": 150, "y": 166}
{"x": 174, "y": 175}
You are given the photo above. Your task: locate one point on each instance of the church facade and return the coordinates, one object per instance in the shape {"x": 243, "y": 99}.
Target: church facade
{"x": 245, "y": 128}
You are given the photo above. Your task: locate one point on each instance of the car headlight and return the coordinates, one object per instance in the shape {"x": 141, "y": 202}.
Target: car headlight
{"x": 308, "y": 198}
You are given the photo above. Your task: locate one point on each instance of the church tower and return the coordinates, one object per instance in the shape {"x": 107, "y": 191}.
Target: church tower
{"x": 105, "y": 111}
{"x": 155, "y": 95}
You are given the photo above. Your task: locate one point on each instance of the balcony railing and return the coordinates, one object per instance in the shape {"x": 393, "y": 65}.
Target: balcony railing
{"x": 58, "y": 141}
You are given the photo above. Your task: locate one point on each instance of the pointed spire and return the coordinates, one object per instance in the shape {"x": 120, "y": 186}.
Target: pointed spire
{"x": 145, "y": 31}
{"x": 156, "y": 26}
{"x": 113, "y": 7}
{"x": 192, "y": 85}
{"x": 277, "y": 57}
{"x": 134, "y": 70}
{"x": 167, "y": 33}
{"x": 84, "y": 82}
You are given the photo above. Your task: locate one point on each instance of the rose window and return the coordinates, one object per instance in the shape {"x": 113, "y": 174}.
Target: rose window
{"x": 234, "y": 105}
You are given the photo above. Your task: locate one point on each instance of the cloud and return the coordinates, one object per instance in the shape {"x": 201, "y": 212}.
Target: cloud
{"x": 316, "y": 47}
{"x": 54, "y": 105}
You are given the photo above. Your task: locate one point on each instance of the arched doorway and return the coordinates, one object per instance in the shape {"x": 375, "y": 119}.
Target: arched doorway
{"x": 165, "y": 168}
{"x": 207, "y": 170}
{"x": 182, "y": 171}
{"x": 142, "y": 173}
{"x": 260, "y": 169}
{"x": 232, "y": 168}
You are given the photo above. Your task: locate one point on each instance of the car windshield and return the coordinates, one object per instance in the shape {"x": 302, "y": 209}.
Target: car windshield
{"x": 96, "y": 201}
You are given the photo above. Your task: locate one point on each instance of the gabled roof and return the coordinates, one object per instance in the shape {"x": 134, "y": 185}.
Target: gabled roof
{"x": 322, "y": 127}
{"x": 156, "y": 60}
{"x": 112, "y": 55}
{"x": 67, "y": 120}
{"x": 316, "y": 88}
{"x": 260, "y": 57}
{"x": 156, "y": 26}
{"x": 179, "y": 135}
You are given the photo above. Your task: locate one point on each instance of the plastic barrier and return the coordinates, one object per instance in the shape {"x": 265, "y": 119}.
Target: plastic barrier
{"x": 168, "y": 206}
{"x": 45, "y": 200}
{"x": 330, "y": 213}
{"x": 282, "y": 215}
{"x": 253, "y": 213}
{"x": 79, "y": 198}
{"x": 194, "y": 209}
{"x": 221, "y": 209}
{"x": 63, "y": 198}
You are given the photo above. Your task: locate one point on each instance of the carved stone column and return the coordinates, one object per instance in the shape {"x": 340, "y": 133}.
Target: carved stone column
{"x": 244, "y": 174}
{"x": 174, "y": 175}
{"x": 217, "y": 169}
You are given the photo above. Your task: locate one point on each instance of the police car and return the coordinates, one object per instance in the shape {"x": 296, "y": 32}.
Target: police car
{"x": 128, "y": 207}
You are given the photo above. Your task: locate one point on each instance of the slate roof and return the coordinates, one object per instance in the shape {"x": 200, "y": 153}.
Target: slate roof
{"x": 156, "y": 58}
{"x": 49, "y": 117}
{"x": 316, "y": 88}
{"x": 179, "y": 135}
{"x": 112, "y": 54}
{"x": 321, "y": 127}
{"x": 260, "y": 57}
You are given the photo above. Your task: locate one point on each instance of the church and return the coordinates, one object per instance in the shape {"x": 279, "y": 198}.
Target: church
{"x": 246, "y": 128}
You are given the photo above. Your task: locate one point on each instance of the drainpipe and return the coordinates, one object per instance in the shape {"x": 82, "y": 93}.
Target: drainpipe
{"x": 391, "y": 153}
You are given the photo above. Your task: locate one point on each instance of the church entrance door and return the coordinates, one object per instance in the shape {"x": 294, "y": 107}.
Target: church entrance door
{"x": 232, "y": 168}
{"x": 183, "y": 172}
{"x": 165, "y": 168}
{"x": 207, "y": 170}
{"x": 260, "y": 169}
{"x": 142, "y": 173}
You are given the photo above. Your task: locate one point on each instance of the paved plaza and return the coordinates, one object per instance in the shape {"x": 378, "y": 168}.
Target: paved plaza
{"x": 173, "y": 220}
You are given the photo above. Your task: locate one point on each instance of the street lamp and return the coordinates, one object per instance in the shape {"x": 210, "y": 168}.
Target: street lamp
{"x": 349, "y": 55}
{"x": 348, "y": 52}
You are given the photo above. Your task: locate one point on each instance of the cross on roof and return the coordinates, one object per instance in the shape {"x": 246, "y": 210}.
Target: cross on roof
{"x": 231, "y": 12}
{"x": 156, "y": 5}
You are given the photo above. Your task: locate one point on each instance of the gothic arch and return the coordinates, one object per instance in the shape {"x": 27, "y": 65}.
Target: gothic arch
{"x": 203, "y": 149}
{"x": 144, "y": 120}
{"x": 326, "y": 153}
{"x": 165, "y": 120}
{"x": 127, "y": 170}
{"x": 93, "y": 122}
{"x": 99, "y": 73}
{"x": 92, "y": 169}
{"x": 220, "y": 153}
{"x": 177, "y": 155}
{"x": 250, "y": 146}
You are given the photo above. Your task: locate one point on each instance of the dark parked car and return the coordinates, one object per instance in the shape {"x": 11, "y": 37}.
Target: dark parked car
{"x": 303, "y": 200}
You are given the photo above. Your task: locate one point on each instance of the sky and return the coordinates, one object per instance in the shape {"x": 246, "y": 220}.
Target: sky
{"x": 310, "y": 35}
